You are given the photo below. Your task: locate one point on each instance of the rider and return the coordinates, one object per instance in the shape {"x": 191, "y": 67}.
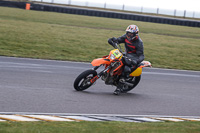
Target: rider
{"x": 134, "y": 53}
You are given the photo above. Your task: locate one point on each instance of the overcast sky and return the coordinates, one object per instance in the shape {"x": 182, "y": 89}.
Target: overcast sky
{"x": 189, "y": 5}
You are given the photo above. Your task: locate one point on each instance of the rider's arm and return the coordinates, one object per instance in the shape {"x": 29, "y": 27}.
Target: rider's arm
{"x": 118, "y": 40}
{"x": 121, "y": 39}
{"x": 140, "y": 51}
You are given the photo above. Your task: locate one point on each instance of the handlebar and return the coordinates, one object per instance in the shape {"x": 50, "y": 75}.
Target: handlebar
{"x": 118, "y": 47}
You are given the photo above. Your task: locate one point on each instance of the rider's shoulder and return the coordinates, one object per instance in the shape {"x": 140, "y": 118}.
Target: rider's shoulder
{"x": 139, "y": 39}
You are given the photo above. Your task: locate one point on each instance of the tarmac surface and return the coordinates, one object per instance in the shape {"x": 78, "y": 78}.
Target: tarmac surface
{"x": 46, "y": 86}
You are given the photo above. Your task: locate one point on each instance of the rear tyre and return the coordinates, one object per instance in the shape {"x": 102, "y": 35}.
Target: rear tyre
{"x": 82, "y": 82}
{"x": 135, "y": 81}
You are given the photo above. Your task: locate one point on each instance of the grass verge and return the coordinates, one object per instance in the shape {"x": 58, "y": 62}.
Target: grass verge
{"x": 49, "y": 35}
{"x": 99, "y": 127}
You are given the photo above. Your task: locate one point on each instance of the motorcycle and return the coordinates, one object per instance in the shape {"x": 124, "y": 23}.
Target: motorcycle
{"x": 113, "y": 67}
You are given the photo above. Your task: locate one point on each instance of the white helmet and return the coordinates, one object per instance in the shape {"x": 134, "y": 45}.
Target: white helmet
{"x": 132, "y": 32}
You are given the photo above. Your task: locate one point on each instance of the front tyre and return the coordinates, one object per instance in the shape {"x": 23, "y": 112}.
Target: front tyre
{"x": 82, "y": 82}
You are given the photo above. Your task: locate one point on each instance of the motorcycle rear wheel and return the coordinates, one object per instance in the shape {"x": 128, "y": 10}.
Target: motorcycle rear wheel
{"x": 82, "y": 82}
{"x": 135, "y": 82}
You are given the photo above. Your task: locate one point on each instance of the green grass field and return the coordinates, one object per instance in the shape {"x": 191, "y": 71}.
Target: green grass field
{"x": 99, "y": 127}
{"x": 58, "y": 36}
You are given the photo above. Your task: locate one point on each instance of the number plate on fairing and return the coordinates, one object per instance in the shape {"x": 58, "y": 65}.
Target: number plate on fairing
{"x": 116, "y": 53}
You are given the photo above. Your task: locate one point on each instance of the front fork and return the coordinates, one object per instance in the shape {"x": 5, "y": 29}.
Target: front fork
{"x": 96, "y": 67}
{"x": 99, "y": 74}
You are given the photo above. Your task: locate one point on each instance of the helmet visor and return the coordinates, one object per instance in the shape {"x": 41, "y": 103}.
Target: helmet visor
{"x": 130, "y": 35}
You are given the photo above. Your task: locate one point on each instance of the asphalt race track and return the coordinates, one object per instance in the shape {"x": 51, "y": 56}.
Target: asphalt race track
{"x": 32, "y": 85}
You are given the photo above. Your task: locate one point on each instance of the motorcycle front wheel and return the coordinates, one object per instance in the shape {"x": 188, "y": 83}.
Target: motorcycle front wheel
{"x": 82, "y": 82}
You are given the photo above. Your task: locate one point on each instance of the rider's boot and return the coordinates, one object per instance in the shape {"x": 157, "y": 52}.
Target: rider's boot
{"x": 119, "y": 88}
{"x": 123, "y": 79}
{"x": 117, "y": 91}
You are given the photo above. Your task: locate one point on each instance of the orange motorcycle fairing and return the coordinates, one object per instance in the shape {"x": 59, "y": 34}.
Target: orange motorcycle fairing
{"x": 99, "y": 61}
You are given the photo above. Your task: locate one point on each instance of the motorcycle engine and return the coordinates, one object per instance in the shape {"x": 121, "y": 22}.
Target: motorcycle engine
{"x": 109, "y": 78}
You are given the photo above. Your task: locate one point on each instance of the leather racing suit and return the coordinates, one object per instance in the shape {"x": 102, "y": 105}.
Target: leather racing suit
{"x": 134, "y": 53}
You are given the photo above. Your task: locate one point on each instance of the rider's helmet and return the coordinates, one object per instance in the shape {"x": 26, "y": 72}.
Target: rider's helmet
{"x": 132, "y": 32}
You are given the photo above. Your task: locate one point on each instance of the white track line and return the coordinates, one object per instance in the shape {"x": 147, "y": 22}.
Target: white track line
{"x": 83, "y": 118}
{"x": 48, "y": 118}
{"x": 22, "y": 116}
{"x": 169, "y": 119}
{"x": 16, "y": 118}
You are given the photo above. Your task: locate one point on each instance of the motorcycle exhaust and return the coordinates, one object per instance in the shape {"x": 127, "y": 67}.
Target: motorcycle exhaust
{"x": 128, "y": 84}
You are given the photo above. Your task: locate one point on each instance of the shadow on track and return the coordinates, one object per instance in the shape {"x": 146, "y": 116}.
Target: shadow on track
{"x": 110, "y": 93}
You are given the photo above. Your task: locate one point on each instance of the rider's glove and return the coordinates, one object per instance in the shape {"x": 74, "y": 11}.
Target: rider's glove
{"x": 113, "y": 41}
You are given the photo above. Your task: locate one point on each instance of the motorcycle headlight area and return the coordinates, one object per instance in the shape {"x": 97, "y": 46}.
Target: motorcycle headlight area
{"x": 112, "y": 57}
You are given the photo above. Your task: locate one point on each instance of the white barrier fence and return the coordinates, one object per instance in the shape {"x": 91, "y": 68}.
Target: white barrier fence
{"x": 175, "y": 12}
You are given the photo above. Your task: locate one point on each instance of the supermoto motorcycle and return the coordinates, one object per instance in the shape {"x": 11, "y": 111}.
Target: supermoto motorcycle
{"x": 113, "y": 67}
